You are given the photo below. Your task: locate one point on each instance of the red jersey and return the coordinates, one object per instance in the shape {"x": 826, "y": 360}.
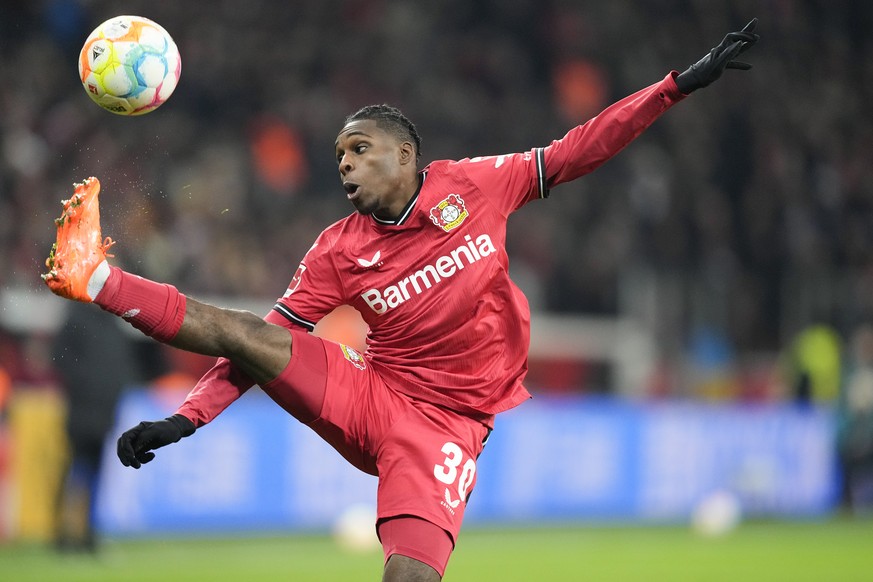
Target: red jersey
{"x": 446, "y": 323}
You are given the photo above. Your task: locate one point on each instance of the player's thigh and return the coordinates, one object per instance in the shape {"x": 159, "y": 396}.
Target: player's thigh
{"x": 332, "y": 388}
{"x": 427, "y": 466}
{"x": 300, "y": 388}
{"x": 358, "y": 407}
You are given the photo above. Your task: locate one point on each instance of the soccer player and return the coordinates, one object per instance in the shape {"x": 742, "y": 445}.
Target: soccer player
{"x": 423, "y": 261}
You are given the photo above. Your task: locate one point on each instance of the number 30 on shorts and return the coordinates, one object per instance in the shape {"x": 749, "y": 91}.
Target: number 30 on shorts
{"x": 448, "y": 472}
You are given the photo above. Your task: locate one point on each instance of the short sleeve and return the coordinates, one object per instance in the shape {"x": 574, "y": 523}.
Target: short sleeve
{"x": 509, "y": 180}
{"x": 315, "y": 289}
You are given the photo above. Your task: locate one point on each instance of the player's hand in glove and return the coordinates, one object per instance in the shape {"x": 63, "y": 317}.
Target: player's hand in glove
{"x": 136, "y": 444}
{"x": 711, "y": 66}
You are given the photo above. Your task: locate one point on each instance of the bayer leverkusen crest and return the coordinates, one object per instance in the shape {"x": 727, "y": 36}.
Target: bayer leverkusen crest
{"x": 354, "y": 356}
{"x": 449, "y": 213}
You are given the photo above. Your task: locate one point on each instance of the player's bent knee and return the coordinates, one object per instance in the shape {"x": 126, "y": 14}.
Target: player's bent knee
{"x": 414, "y": 546}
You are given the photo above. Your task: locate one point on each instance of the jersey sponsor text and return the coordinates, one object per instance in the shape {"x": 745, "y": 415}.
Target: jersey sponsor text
{"x": 420, "y": 281}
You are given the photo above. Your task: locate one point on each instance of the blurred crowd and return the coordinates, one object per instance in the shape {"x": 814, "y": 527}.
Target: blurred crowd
{"x": 746, "y": 211}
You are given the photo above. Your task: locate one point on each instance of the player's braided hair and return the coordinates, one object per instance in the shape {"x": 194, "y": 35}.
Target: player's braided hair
{"x": 390, "y": 119}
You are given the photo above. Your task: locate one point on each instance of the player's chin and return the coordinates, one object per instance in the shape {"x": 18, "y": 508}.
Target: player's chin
{"x": 363, "y": 206}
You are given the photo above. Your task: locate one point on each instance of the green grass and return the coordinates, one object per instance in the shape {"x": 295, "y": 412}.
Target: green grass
{"x": 839, "y": 550}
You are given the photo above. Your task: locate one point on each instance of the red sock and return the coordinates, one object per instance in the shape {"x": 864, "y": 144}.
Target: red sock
{"x": 156, "y": 309}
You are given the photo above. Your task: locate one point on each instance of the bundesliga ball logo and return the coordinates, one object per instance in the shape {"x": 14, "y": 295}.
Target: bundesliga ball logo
{"x": 129, "y": 65}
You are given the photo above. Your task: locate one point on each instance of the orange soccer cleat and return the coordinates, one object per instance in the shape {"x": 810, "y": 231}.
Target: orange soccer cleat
{"x": 79, "y": 248}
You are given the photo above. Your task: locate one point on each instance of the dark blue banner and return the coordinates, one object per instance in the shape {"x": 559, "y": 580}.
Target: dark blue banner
{"x": 256, "y": 468}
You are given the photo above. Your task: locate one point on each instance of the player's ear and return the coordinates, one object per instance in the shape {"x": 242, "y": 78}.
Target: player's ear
{"x": 407, "y": 152}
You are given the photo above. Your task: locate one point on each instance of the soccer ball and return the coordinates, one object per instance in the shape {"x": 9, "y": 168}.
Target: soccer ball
{"x": 717, "y": 514}
{"x": 129, "y": 65}
{"x": 355, "y": 529}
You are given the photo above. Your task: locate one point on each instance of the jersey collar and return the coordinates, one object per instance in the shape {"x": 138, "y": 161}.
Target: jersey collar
{"x": 407, "y": 210}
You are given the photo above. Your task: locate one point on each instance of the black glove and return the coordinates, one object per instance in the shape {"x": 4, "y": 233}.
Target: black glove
{"x": 136, "y": 444}
{"x": 711, "y": 66}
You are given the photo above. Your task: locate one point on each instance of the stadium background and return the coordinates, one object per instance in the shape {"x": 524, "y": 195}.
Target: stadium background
{"x": 720, "y": 265}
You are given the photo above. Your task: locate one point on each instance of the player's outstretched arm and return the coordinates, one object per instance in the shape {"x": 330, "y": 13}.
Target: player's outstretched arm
{"x": 135, "y": 446}
{"x": 721, "y": 57}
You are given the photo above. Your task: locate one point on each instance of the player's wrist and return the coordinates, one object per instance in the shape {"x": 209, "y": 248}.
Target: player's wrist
{"x": 182, "y": 424}
{"x": 687, "y": 82}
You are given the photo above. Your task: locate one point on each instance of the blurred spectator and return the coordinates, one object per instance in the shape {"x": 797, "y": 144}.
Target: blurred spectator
{"x": 580, "y": 90}
{"x": 278, "y": 156}
{"x": 815, "y": 365}
{"x": 95, "y": 360}
{"x": 711, "y": 360}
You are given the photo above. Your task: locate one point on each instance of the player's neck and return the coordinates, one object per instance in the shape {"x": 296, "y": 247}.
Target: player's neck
{"x": 400, "y": 201}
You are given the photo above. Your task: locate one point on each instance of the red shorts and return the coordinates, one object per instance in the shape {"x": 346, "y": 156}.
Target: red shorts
{"x": 424, "y": 455}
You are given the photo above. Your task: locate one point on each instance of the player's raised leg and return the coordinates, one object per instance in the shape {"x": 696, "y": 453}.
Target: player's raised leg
{"x": 78, "y": 270}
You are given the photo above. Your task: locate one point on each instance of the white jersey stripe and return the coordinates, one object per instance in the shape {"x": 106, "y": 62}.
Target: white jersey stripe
{"x": 293, "y": 317}
{"x": 541, "y": 173}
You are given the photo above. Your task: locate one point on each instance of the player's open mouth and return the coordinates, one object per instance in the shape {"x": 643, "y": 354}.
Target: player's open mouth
{"x": 351, "y": 190}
